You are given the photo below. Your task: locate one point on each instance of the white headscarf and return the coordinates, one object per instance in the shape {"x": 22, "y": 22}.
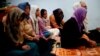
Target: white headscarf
{"x": 76, "y": 5}
{"x": 34, "y": 19}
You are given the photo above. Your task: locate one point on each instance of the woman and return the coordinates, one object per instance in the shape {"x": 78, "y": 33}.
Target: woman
{"x": 22, "y": 39}
{"x": 45, "y": 19}
{"x": 73, "y": 35}
{"x": 42, "y": 29}
{"x": 84, "y": 5}
{"x": 34, "y": 18}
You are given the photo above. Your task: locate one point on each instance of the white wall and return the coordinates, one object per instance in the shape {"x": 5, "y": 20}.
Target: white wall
{"x": 66, "y": 6}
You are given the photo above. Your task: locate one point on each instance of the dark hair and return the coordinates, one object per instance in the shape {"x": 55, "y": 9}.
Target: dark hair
{"x": 42, "y": 12}
{"x": 58, "y": 14}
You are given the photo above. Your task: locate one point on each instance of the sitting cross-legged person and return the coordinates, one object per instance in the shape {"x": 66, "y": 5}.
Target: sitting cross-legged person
{"x": 20, "y": 41}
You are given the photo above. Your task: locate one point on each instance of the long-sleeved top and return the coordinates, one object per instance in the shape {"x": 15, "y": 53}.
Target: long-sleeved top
{"x": 71, "y": 34}
{"x": 41, "y": 26}
{"x": 46, "y": 21}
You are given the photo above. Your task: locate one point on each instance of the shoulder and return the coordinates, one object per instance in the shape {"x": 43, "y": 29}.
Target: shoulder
{"x": 71, "y": 21}
{"x": 51, "y": 17}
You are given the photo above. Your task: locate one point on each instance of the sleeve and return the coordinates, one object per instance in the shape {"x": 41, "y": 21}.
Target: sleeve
{"x": 41, "y": 25}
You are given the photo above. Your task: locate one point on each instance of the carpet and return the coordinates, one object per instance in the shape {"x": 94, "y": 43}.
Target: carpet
{"x": 76, "y": 52}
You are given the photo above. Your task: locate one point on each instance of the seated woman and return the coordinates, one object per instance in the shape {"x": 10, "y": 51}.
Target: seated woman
{"x": 42, "y": 29}
{"x": 34, "y": 18}
{"x": 72, "y": 35}
{"x": 21, "y": 42}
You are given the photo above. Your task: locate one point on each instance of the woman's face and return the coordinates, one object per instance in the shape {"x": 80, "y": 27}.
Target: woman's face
{"x": 27, "y": 10}
{"x": 45, "y": 14}
{"x": 38, "y": 12}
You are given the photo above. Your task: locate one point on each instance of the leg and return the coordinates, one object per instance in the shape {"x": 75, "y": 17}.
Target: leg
{"x": 34, "y": 49}
{"x": 16, "y": 53}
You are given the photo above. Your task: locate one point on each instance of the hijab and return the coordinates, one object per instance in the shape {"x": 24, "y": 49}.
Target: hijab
{"x": 76, "y": 5}
{"x": 34, "y": 18}
{"x": 12, "y": 24}
{"x": 80, "y": 14}
{"x": 23, "y": 5}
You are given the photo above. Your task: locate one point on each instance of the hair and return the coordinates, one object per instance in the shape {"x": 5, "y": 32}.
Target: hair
{"x": 58, "y": 14}
{"x": 42, "y": 12}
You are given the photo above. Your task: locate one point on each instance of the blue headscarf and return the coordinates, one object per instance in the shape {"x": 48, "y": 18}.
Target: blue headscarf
{"x": 23, "y": 5}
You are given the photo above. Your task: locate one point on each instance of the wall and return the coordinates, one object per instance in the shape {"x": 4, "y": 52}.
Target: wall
{"x": 66, "y": 6}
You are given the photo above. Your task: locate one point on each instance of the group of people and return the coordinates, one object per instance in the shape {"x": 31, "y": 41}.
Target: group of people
{"x": 28, "y": 31}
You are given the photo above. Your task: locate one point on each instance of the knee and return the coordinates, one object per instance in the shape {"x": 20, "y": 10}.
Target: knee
{"x": 33, "y": 45}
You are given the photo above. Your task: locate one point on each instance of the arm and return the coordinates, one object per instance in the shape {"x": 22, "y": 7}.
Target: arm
{"x": 92, "y": 42}
{"x": 41, "y": 25}
{"x": 48, "y": 26}
{"x": 85, "y": 37}
{"x": 62, "y": 22}
{"x": 24, "y": 34}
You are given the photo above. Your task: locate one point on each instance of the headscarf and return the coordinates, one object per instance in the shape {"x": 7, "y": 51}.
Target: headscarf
{"x": 34, "y": 19}
{"x": 80, "y": 15}
{"x": 76, "y": 5}
{"x": 83, "y": 4}
{"x": 79, "y": 4}
{"x": 23, "y": 5}
{"x": 12, "y": 24}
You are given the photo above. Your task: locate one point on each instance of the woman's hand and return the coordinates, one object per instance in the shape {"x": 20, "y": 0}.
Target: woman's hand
{"x": 92, "y": 43}
{"x": 26, "y": 47}
{"x": 85, "y": 37}
{"x": 36, "y": 37}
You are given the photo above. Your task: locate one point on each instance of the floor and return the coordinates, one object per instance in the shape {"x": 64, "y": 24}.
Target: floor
{"x": 76, "y": 52}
